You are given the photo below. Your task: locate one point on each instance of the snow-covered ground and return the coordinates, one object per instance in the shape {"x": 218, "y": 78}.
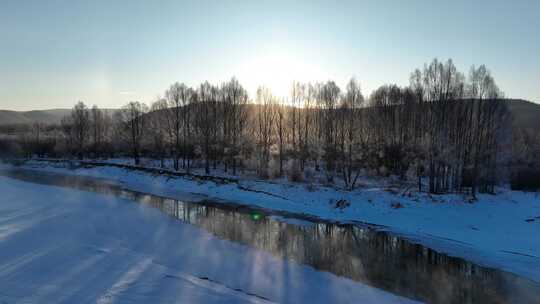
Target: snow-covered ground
{"x": 500, "y": 231}
{"x": 59, "y": 245}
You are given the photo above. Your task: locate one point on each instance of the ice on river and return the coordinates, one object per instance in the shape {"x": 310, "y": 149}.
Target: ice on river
{"x": 60, "y": 245}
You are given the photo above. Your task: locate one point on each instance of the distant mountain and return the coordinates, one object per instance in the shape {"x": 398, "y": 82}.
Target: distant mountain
{"x": 526, "y": 114}
{"x": 53, "y": 116}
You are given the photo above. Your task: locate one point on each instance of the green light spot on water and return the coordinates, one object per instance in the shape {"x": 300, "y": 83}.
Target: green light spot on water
{"x": 256, "y": 216}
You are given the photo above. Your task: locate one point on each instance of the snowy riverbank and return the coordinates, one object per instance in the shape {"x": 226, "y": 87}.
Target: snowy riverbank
{"x": 499, "y": 231}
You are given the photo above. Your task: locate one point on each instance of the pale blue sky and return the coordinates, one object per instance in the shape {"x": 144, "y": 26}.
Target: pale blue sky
{"x": 55, "y": 52}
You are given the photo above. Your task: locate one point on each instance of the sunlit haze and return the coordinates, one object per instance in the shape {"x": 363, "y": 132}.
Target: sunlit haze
{"x": 54, "y": 53}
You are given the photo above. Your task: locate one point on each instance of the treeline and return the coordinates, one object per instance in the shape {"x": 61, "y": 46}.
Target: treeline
{"x": 449, "y": 132}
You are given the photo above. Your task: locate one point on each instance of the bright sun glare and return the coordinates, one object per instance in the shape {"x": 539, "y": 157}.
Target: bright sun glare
{"x": 277, "y": 70}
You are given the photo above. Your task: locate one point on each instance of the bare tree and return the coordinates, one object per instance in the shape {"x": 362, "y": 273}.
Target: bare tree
{"x": 187, "y": 98}
{"x": 234, "y": 120}
{"x": 66, "y": 125}
{"x": 352, "y": 137}
{"x": 443, "y": 84}
{"x": 489, "y": 113}
{"x": 329, "y": 96}
{"x": 307, "y": 127}
{"x": 133, "y": 124}
{"x": 297, "y": 100}
{"x": 177, "y": 97}
{"x": 157, "y": 128}
{"x": 265, "y": 128}
{"x": 205, "y": 120}
{"x": 280, "y": 131}
{"x": 98, "y": 129}
{"x": 80, "y": 120}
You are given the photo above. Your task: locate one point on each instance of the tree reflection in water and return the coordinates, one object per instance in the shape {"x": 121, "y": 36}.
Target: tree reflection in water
{"x": 361, "y": 254}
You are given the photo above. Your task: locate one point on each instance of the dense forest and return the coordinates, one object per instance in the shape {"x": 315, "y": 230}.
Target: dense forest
{"x": 446, "y": 132}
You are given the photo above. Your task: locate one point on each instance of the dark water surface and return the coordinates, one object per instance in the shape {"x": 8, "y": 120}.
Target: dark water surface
{"x": 360, "y": 253}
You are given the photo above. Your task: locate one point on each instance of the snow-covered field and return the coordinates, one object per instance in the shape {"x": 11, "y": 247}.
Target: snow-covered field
{"x": 59, "y": 245}
{"x": 500, "y": 231}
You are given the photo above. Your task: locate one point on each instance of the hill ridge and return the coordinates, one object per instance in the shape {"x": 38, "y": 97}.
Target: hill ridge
{"x": 526, "y": 115}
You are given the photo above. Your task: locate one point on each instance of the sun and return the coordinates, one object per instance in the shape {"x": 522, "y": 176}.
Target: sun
{"x": 277, "y": 70}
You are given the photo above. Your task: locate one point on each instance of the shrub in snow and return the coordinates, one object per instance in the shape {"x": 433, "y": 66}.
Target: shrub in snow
{"x": 311, "y": 187}
{"x": 294, "y": 172}
{"x": 383, "y": 171}
{"x": 263, "y": 174}
{"x": 341, "y": 204}
{"x": 396, "y": 205}
{"x": 527, "y": 179}
{"x": 273, "y": 166}
{"x": 309, "y": 174}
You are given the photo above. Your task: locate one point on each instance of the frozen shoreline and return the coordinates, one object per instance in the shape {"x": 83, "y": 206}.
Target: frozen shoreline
{"x": 498, "y": 231}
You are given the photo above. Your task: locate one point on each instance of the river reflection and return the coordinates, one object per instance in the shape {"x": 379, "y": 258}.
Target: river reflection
{"x": 360, "y": 253}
